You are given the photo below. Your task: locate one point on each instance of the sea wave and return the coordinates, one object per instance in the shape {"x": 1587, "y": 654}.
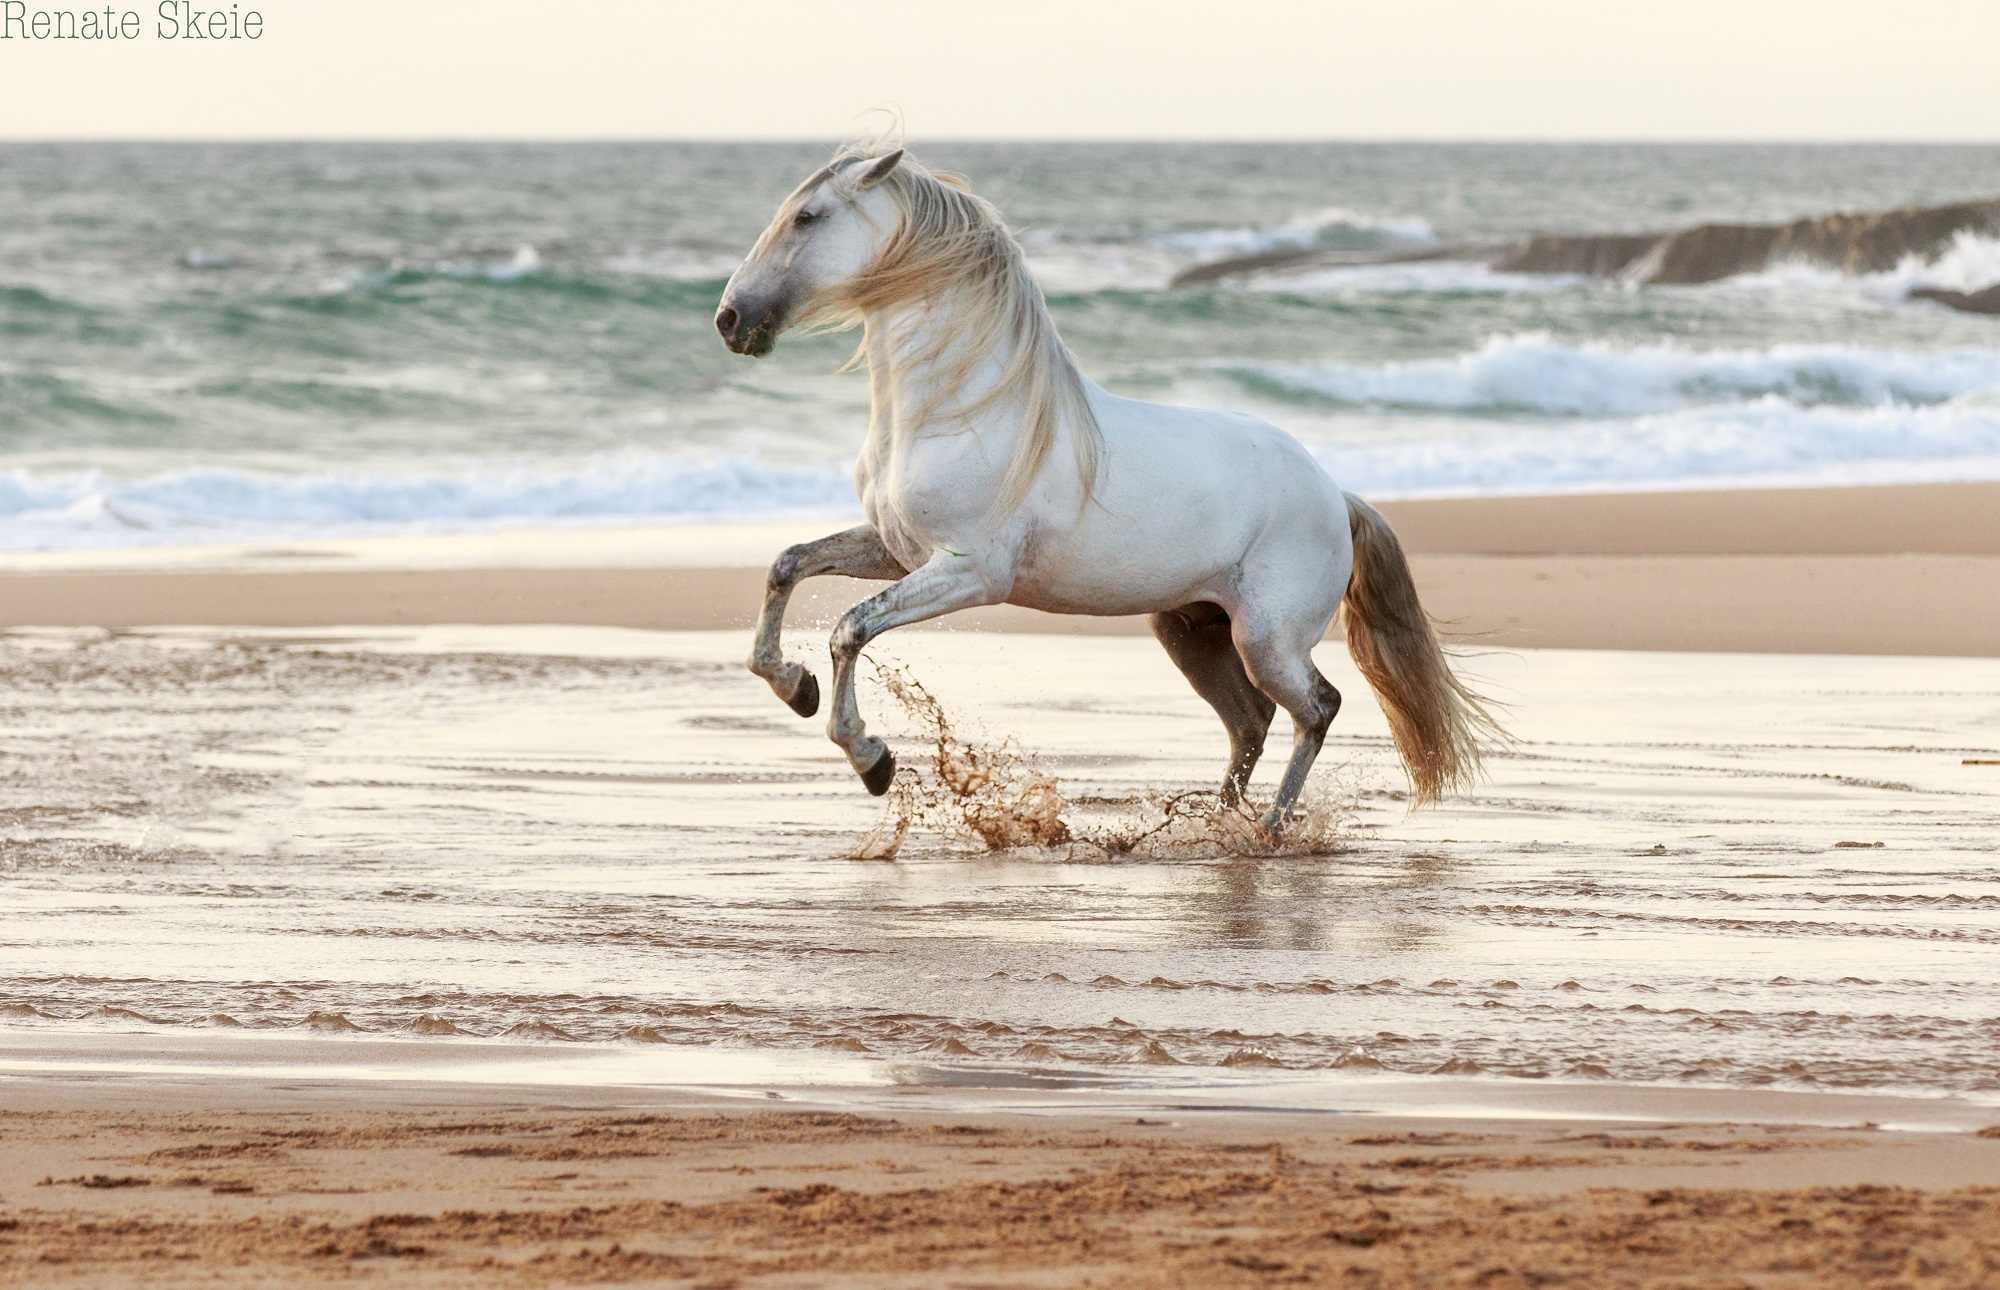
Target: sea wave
{"x": 1411, "y": 278}
{"x": 1535, "y": 374}
{"x": 1329, "y": 226}
{"x": 1083, "y": 260}
{"x": 1519, "y": 414}
{"x": 1334, "y": 226}
{"x": 1768, "y": 441}
{"x": 66, "y": 509}
{"x": 1970, "y": 262}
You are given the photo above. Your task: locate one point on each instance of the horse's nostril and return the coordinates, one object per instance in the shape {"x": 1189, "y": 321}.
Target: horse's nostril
{"x": 725, "y": 322}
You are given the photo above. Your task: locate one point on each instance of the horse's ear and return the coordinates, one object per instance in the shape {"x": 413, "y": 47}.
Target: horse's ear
{"x": 879, "y": 169}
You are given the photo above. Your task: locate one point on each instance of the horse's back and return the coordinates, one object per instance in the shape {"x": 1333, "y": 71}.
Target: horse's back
{"x": 1195, "y": 504}
{"x": 1252, "y": 473}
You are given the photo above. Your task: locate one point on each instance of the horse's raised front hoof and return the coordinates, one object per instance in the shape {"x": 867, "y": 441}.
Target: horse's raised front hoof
{"x": 876, "y": 778}
{"x": 805, "y": 699}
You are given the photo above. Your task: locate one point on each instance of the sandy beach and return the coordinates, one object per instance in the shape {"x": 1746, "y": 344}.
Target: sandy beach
{"x": 364, "y": 929}
{"x": 112, "y": 1185}
{"x": 1911, "y": 569}
{"x": 405, "y": 882}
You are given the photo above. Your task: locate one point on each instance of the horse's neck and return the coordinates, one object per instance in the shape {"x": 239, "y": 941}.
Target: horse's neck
{"x": 922, "y": 366}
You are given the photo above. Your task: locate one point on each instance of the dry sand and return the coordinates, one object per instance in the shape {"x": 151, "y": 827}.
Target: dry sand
{"x": 1937, "y": 519}
{"x": 1909, "y": 569}
{"x": 204, "y": 1184}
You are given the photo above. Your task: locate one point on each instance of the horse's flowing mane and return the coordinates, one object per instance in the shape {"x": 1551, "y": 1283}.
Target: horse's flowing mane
{"x": 952, "y": 240}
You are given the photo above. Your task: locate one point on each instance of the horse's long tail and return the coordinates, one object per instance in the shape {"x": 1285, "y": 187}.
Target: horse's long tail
{"x": 1436, "y": 718}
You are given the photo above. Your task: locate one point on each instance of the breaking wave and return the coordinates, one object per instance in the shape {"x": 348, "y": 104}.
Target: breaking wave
{"x": 88, "y": 508}
{"x": 1765, "y": 442}
{"x": 1333, "y": 227}
{"x": 1546, "y": 418}
{"x": 1534, "y": 374}
{"x": 1518, "y": 414}
{"x": 1085, "y": 260}
{"x": 1970, "y": 262}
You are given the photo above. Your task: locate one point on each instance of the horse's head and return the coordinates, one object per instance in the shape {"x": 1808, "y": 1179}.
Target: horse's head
{"x": 827, "y": 234}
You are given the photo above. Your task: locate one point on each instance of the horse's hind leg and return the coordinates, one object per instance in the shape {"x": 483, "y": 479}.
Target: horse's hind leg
{"x": 1196, "y": 637}
{"x": 1280, "y": 664}
{"x": 855, "y": 553}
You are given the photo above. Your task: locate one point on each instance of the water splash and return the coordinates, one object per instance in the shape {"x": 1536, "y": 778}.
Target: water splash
{"x": 995, "y": 792}
{"x": 998, "y": 793}
{"x": 1197, "y": 824}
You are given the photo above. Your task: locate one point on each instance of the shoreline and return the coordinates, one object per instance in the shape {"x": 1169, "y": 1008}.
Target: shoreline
{"x": 1845, "y": 519}
{"x": 1920, "y": 604}
{"x": 54, "y": 1063}
{"x": 1899, "y": 569}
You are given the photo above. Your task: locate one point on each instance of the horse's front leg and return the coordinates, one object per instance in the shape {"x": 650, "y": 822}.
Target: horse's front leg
{"x": 855, "y": 553}
{"x": 948, "y": 582}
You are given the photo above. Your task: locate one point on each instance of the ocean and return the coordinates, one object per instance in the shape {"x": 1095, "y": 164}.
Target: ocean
{"x": 206, "y": 343}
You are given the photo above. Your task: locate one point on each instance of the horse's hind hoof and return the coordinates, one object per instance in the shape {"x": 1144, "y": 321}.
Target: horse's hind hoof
{"x": 805, "y": 699}
{"x": 876, "y": 778}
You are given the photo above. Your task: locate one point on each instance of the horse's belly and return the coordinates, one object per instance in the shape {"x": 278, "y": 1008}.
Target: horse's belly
{"x": 1097, "y": 600}
{"x": 1175, "y": 527}
{"x": 1079, "y": 576}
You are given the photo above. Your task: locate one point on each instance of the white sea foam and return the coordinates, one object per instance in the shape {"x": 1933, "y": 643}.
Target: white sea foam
{"x": 68, "y": 509}
{"x": 1970, "y": 262}
{"x": 1065, "y": 268}
{"x": 1768, "y": 441}
{"x": 1334, "y": 224}
{"x": 1072, "y": 260}
{"x": 676, "y": 264}
{"x": 1519, "y": 414}
{"x": 1414, "y": 277}
{"x": 1535, "y": 374}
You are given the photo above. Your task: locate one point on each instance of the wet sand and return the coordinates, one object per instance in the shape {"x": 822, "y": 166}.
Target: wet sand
{"x": 1902, "y": 570}
{"x": 532, "y": 955}
{"x": 1697, "y": 870}
{"x": 108, "y": 1184}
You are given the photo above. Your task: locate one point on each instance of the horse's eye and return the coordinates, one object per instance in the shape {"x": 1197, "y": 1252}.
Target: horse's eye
{"x": 804, "y": 218}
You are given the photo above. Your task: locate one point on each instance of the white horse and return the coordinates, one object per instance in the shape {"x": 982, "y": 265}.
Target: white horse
{"x": 994, "y": 472}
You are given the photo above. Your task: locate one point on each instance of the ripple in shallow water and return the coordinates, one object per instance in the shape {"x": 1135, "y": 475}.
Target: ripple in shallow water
{"x": 593, "y": 838}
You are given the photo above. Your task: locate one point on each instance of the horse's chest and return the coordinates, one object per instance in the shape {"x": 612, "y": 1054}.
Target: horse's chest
{"x": 899, "y": 524}
{"x": 918, "y": 502}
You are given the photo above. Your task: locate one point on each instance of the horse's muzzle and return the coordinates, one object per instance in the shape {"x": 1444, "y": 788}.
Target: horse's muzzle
{"x": 745, "y": 337}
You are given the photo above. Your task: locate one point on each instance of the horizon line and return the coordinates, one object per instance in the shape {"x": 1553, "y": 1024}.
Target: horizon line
{"x": 1080, "y": 140}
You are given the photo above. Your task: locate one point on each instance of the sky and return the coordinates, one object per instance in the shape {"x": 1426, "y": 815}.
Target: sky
{"x": 1272, "y": 69}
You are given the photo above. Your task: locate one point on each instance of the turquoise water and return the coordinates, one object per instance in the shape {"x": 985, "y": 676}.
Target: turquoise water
{"x": 206, "y": 341}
